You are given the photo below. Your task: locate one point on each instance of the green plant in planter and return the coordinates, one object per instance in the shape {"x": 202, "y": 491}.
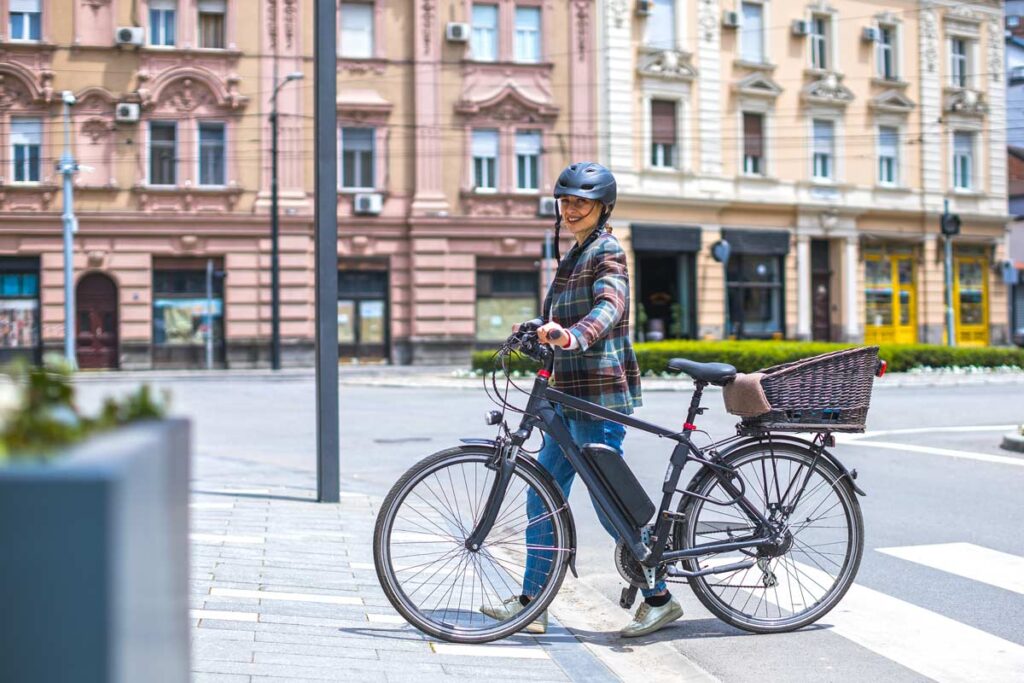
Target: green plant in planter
{"x": 38, "y": 414}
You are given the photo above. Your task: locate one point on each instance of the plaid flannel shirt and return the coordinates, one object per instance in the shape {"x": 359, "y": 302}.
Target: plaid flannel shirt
{"x": 590, "y": 298}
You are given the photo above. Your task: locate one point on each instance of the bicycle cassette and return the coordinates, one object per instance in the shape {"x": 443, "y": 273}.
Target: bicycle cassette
{"x": 632, "y": 571}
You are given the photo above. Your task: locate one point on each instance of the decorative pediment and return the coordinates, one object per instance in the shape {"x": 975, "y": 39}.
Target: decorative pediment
{"x": 19, "y": 86}
{"x": 363, "y": 106}
{"x": 828, "y": 91}
{"x": 187, "y": 89}
{"x": 966, "y": 102}
{"x": 509, "y": 104}
{"x": 94, "y": 98}
{"x": 667, "y": 64}
{"x": 758, "y": 85}
{"x": 892, "y": 101}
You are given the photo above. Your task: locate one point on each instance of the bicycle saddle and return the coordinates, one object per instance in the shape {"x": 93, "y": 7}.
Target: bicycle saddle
{"x": 719, "y": 374}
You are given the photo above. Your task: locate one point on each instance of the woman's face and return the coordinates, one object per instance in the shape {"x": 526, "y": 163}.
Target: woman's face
{"x": 579, "y": 214}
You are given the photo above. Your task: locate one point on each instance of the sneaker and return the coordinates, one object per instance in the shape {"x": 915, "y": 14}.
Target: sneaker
{"x": 511, "y": 607}
{"x": 649, "y": 619}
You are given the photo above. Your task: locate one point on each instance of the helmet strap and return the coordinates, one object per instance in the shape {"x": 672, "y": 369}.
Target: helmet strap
{"x": 558, "y": 227}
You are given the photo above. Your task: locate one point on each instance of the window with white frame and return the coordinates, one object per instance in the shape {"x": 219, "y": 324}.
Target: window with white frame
{"x": 163, "y": 152}
{"x": 888, "y": 155}
{"x": 162, "y": 22}
{"x": 211, "y": 153}
{"x": 356, "y": 30}
{"x": 753, "y": 143}
{"x": 959, "y": 61}
{"x": 660, "y": 31}
{"x": 483, "y": 44}
{"x": 26, "y": 147}
{"x": 752, "y": 32}
{"x": 26, "y": 19}
{"x": 824, "y": 150}
{"x": 527, "y": 38}
{"x": 212, "y": 23}
{"x": 885, "y": 50}
{"x": 485, "y": 159}
{"x": 963, "y": 160}
{"x": 663, "y": 134}
{"x": 821, "y": 26}
{"x": 357, "y": 158}
{"x": 528, "y": 148}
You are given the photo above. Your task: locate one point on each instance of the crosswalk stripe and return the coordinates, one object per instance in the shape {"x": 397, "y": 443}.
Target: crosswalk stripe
{"x": 976, "y": 562}
{"x": 948, "y": 452}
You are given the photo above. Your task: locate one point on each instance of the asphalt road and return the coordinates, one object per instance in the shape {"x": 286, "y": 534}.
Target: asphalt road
{"x": 950, "y": 612}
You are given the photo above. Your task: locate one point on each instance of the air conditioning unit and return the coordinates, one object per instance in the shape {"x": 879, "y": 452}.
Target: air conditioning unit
{"x": 869, "y": 34}
{"x": 547, "y": 206}
{"x": 731, "y": 19}
{"x": 367, "y": 204}
{"x": 1016, "y": 74}
{"x": 799, "y": 27}
{"x": 456, "y": 32}
{"x": 1013, "y": 21}
{"x": 644, "y": 8}
{"x": 126, "y": 112}
{"x": 130, "y": 35}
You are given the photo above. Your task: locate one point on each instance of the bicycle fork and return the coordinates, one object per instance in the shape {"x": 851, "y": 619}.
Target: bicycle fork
{"x": 505, "y": 463}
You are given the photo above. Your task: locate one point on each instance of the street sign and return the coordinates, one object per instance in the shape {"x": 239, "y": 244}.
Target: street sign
{"x": 720, "y": 251}
{"x": 950, "y": 224}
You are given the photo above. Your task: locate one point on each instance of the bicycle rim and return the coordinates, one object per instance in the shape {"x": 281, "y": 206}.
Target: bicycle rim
{"x": 439, "y": 585}
{"x": 799, "y": 581}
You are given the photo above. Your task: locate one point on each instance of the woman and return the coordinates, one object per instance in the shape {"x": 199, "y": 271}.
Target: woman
{"x": 588, "y": 306}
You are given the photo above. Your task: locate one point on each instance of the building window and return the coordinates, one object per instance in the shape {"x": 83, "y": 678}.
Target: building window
{"x": 753, "y": 144}
{"x": 362, "y": 312}
{"x": 183, "y": 311}
{"x": 661, "y": 25}
{"x": 19, "y": 306}
{"x": 356, "y": 30}
{"x": 958, "y": 62}
{"x": 963, "y": 160}
{"x": 212, "y": 25}
{"x": 26, "y": 19}
{"x": 663, "y": 134}
{"x": 754, "y": 285}
{"x": 752, "y": 32}
{"x": 483, "y": 44}
{"x": 162, "y": 15}
{"x": 886, "y": 52}
{"x": 357, "y": 158}
{"x": 485, "y": 159}
{"x": 26, "y": 144}
{"x": 503, "y": 298}
{"x": 888, "y": 155}
{"x": 820, "y": 26}
{"x": 527, "y": 41}
{"x": 528, "y": 143}
{"x": 211, "y": 153}
{"x": 824, "y": 150}
{"x": 163, "y": 152}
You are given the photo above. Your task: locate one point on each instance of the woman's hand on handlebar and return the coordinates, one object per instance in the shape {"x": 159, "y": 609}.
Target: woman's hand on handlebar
{"x": 552, "y": 333}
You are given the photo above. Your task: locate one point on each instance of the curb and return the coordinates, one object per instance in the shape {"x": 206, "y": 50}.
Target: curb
{"x": 1013, "y": 442}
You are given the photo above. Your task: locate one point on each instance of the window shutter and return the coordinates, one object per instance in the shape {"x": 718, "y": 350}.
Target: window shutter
{"x": 26, "y": 132}
{"x": 212, "y": 6}
{"x": 485, "y": 143}
{"x": 163, "y": 4}
{"x": 663, "y": 122}
{"x": 25, "y": 6}
{"x": 528, "y": 142}
{"x": 753, "y": 134}
{"x": 888, "y": 139}
{"x": 823, "y": 137}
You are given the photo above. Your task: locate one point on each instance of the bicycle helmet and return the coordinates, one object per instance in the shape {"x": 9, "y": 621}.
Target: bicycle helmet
{"x": 589, "y": 180}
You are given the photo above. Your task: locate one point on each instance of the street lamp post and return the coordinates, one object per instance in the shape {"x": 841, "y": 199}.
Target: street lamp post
{"x": 275, "y": 285}
{"x": 67, "y": 168}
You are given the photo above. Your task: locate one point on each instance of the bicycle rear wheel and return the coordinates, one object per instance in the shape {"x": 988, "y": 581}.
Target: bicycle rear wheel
{"x": 443, "y": 588}
{"x": 799, "y": 580}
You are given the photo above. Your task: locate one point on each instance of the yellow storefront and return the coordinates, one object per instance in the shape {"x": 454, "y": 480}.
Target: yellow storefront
{"x": 970, "y": 296}
{"x": 890, "y": 291}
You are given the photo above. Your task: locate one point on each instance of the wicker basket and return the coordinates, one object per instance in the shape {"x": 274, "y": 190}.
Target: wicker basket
{"x": 830, "y": 392}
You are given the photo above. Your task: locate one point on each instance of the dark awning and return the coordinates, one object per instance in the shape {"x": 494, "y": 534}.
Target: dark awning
{"x": 764, "y": 242}
{"x": 667, "y": 238}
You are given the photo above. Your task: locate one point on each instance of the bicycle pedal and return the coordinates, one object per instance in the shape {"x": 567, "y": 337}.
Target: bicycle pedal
{"x": 628, "y": 597}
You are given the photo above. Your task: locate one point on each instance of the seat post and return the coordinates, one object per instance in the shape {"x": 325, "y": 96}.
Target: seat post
{"x": 691, "y": 415}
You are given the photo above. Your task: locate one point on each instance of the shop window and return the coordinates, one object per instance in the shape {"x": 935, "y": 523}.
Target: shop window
{"x": 504, "y": 298}
{"x": 890, "y": 298}
{"x": 363, "y": 314}
{"x": 754, "y": 285}
{"x": 183, "y": 312}
{"x": 19, "y": 308}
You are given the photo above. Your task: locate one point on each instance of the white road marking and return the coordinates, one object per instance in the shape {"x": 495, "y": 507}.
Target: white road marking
{"x": 925, "y": 430}
{"x": 947, "y": 452}
{"x": 211, "y": 506}
{"x": 511, "y": 651}
{"x": 993, "y": 567}
{"x": 362, "y": 565}
{"x": 385, "y": 619}
{"x": 290, "y": 597}
{"x": 223, "y": 616}
{"x": 227, "y": 538}
{"x": 238, "y": 492}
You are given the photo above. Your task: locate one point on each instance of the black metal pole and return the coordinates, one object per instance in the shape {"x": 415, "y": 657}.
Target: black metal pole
{"x": 326, "y": 245}
{"x": 275, "y": 273}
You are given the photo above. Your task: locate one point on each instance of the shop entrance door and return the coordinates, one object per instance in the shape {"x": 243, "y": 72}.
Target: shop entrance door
{"x": 666, "y": 289}
{"x": 363, "y": 316}
{"x": 96, "y": 315}
{"x": 821, "y": 295}
{"x": 970, "y": 300}
{"x": 891, "y": 300}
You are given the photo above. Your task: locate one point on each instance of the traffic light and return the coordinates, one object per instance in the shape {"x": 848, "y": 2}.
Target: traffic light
{"x": 950, "y": 224}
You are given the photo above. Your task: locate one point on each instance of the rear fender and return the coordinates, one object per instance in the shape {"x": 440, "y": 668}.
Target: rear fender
{"x": 849, "y": 475}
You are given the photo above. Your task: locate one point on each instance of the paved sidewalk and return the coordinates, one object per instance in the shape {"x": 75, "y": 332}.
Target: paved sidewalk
{"x": 283, "y": 589}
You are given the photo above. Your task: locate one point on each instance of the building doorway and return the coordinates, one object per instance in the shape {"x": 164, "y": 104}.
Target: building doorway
{"x": 821, "y": 292}
{"x": 970, "y": 300}
{"x": 890, "y": 290}
{"x": 363, "y": 316}
{"x": 96, "y": 315}
{"x": 666, "y": 294}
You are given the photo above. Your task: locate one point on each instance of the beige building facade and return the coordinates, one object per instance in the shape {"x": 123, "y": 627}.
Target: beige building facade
{"x": 820, "y": 140}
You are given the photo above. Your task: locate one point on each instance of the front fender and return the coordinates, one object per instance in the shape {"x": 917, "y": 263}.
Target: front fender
{"x": 849, "y": 475}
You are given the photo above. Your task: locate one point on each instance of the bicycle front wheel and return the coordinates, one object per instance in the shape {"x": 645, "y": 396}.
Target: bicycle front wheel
{"x": 797, "y": 581}
{"x": 439, "y": 585}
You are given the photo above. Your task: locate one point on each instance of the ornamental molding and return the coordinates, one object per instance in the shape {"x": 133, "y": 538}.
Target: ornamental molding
{"x": 758, "y": 85}
{"x": 827, "y": 90}
{"x": 272, "y": 23}
{"x": 673, "y": 65}
{"x": 965, "y": 102}
{"x": 620, "y": 10}
{"x": 930, "y": 39}
{"x": 707, "y": 19}
{"x": 289, "y": 23}
{"x": 427, "y": 11}
{"x": 13, "y": 92}
{"x": 508, "y": 104}
{"x": 94, "y": 98}
{"x": 892, "y": 102}
{"x": 995, "y": 51}
{"x": 96, "y": 128}
{"x": 186, "y": 89}
{"x": 24, "y": 85}
{"x": 582, "y": 27}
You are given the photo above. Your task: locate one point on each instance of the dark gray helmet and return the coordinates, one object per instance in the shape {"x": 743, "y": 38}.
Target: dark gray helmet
{"x": 589, "y": 180}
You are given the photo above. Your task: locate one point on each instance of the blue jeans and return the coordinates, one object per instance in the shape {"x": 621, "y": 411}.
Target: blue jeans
{"x": 554, "y": 461}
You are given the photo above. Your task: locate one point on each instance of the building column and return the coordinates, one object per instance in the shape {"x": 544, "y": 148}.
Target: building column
{"x": 851, "y": 263}
{"x": 803, "y": 287}
{"x": 709, "y": 87}
{"x": 428, "y": 198}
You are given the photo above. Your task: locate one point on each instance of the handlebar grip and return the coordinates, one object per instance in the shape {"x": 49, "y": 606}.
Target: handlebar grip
{"x": 554, "y": 335}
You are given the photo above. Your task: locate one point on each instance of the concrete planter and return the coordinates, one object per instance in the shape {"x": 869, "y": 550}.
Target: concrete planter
{"x": 94, "y": 561}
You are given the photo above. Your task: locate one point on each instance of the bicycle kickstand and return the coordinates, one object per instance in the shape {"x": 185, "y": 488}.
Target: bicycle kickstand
{"x": 628, "y": 597}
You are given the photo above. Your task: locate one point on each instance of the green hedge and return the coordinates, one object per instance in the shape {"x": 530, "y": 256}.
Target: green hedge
{"x": 748, "y": 356}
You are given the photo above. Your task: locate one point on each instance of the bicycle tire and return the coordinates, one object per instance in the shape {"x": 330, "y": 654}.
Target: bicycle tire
{"x": 525, "y": 470}
{"x": 706, "y": 588}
